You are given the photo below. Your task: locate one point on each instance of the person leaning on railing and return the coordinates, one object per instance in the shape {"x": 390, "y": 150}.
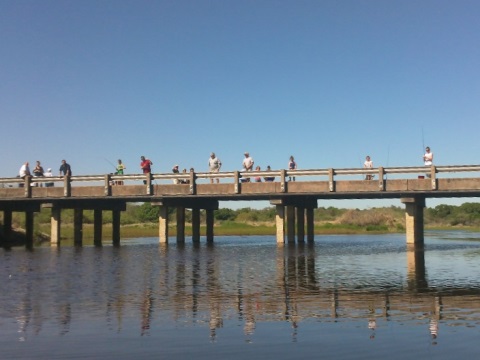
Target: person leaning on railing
{"x": 24, "y": 172}
{"x": 65, "y": 169}
{"x": 48, "y": 173}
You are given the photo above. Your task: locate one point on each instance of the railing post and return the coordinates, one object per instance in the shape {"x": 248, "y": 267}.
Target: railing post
{"x": 283, "y": 175}
{"x": 236, "y": 179}
{"x": 108, "y": 185}
{"x": 28, "y": 186}
{"x": 433, "y": 176}
{"x": 331, "y": 182}
{"x": 381, "y": 182}
{"x": 148, "y": 181}
{"x": 193, "y": 185}
{"x": 67, "y": 187}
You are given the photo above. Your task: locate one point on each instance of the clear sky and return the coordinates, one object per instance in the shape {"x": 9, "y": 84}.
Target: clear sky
{"x": 327, "y": 81}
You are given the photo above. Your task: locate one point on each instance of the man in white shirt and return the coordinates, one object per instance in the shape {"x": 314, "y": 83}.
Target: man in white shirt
{"x": 428, "y": 157}
{"x": 24, "y": 170}
{"x": 48, "y": 173}
{"x": 247, "y": 164}
{"x": 214, "y": 165}
{"x": 368, "y": 164}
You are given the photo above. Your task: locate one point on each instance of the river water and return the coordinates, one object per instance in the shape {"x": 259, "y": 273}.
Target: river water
{"x": 343, "y": 297}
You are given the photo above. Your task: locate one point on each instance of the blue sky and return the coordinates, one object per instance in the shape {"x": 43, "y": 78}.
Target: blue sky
{"x": 326, "y": 81}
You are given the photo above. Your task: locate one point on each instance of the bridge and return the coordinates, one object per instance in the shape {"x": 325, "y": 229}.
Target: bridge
{"x": 294, "y": 201}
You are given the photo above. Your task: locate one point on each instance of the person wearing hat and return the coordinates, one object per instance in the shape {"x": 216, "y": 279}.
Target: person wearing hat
{"x": 175, "y": 171}
{"x": 247, "y": 164}
{"x": 214, "y": 164}
{"x": 48, "y": 173}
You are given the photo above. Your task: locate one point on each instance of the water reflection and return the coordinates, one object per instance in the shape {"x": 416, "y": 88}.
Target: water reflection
{"x": 146, "y": 288}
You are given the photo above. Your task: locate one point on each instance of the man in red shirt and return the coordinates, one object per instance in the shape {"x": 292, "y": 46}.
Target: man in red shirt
{"x": 145, "y": 165}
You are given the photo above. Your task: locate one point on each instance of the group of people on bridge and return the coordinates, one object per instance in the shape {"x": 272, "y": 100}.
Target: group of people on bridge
{"x": 214, "y": 166}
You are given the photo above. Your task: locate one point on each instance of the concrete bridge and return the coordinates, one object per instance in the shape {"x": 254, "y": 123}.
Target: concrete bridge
{"x": 294, "y": 200}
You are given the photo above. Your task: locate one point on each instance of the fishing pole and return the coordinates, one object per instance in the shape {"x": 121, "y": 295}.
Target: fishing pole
{"x": 423, "y": 141}
{"x": 110, "y": 163}
{"x": 388, "y": 159}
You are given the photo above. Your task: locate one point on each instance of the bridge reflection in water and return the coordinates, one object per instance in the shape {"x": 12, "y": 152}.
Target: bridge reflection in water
{"x": 145, "y": 286}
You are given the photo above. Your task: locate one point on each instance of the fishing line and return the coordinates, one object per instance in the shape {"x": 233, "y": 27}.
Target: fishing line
{"x": 423, "y": 141}
{"x": 110, "y": 163}
{"x": 388, "y": 159}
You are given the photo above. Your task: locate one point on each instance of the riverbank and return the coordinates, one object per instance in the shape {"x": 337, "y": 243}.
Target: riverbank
{"x": 242, "y": 229}
{"x": 223, "y": 229}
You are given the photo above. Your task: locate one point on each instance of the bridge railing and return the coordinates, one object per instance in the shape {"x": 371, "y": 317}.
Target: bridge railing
{"x": 331, "y": 174}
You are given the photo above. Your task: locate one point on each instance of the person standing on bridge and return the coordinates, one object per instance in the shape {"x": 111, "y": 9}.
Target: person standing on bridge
{"x": 48, "y": 173}
{"x": 368, "y": 164}
{"x": 176, "y": 171}
{"x": 145, "y": 165}
{"x": 119, "y": 171}
{"x": 214, "y": 165}
{"x": 65, "y": 169}
{"x": 38, "y": 172}
{"x": 428, "y": 158}
{"x": 292, "y": 165}
{"x": 247, "y": 164}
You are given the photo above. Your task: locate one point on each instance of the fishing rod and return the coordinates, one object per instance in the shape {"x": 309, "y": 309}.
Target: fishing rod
{"x": 388, "y": 159}
{"x": 423, "y": 142}
{"x": 110, "y": 163}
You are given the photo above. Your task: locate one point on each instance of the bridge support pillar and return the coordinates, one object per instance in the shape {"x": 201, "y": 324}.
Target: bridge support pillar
{"x": 280, "y": 223}
{"x": 414, "y": 219}
{"x": 310, "y": 225}
{"x": 196, "y": 225}
{"x": 97, "y": 227}
{"x": 210, "y": 222}
{"x": 196, "y": 205}
{"x": 163, "y": 224}
{"x": 180, "y": 224}
{"x": 300, "y": 215}
{"x": 7, "y": 228}
{"x": 290, "y": 223}
{"x": 294, "y": 209}
{"x": 116, "y": 213}
{"x": 78, "y": 226}
{"x": 55, "y": 221}
{"x": 29, "y": 229}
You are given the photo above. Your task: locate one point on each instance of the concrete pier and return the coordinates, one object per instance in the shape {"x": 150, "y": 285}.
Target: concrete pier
{"x": 414, "y": 219}
{"x": 78, "y": 208}
{"x": 180, "y": 205}
{"x": 293, "y": 214}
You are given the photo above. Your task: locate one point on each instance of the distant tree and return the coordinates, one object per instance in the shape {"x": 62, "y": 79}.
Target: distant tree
{"x": 147, "y": 213}
{"x": 225, "y": 214}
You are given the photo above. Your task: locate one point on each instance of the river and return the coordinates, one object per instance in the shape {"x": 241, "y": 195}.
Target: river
{"x": 343, "y": 297}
